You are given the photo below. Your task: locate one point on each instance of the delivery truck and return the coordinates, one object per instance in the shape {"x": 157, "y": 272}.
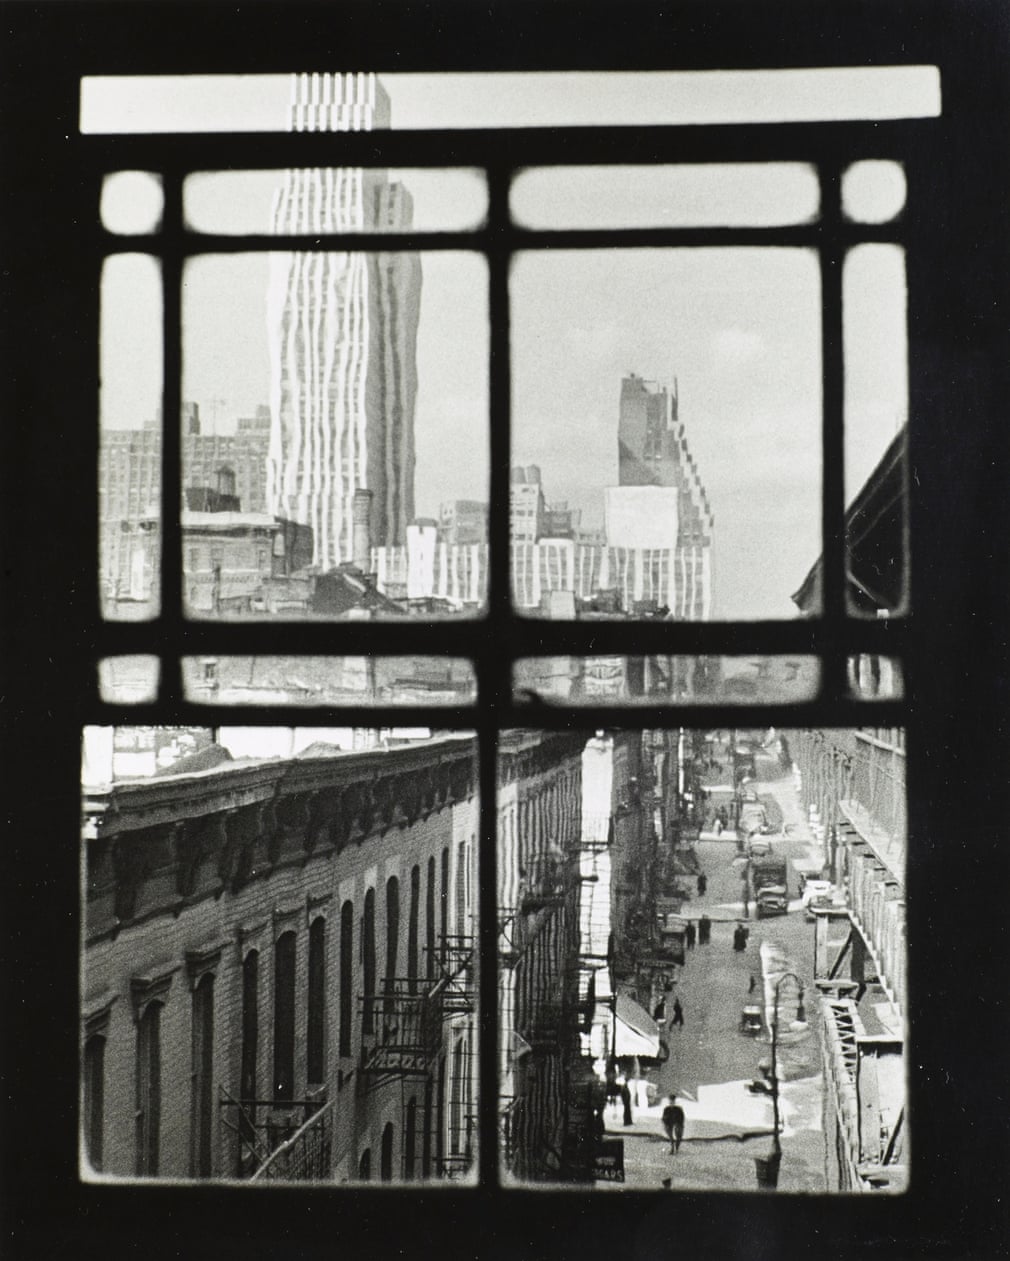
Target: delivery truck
{"x": 766, "y": 883}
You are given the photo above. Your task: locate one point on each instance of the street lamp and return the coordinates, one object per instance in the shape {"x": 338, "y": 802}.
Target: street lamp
{"x": 768, "y": 1166}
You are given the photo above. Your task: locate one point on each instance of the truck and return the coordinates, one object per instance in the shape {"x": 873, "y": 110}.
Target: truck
{"x": 671, "y": 928}
{"x": 766, "y": 884}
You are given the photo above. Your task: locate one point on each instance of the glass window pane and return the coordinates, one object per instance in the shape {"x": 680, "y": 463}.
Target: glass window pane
{"x": 666, "y": 432}
{"x": 132, "y": 202}
{"x": 294, "y": 820}
{"x": 670, "y": 903}
{"x": 876, "y": 415}
{"x": 323, "y": 392}
{"x": 129, "y": 465}
{"x": 336, "y": 199}
{"x": 204, "y": 103}
{"x": 655, "y": 680}
{"x": 126, "y": 680}
{"x": 329, "y": 680}
{"x": 717, "y": 195}
{"x": 873, "y": 192}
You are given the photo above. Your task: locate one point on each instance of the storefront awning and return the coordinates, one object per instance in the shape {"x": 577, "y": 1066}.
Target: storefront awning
{"x": 637, "y": 1033}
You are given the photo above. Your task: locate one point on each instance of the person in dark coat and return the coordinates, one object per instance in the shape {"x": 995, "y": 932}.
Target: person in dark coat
{"x": 739, "y": 938}
{"x": 702, "y": 884}
{"x": 626, "y": 1100}
{"x": 704, "y": 930}
{"x": 691, "y": 934}
{"x": 659, "y": 1012}
{"x": 678, "y": 1012}
{"x": 673, "y": 1123}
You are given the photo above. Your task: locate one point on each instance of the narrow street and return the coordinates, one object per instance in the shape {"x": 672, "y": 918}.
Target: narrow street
{"x": 711, "y": 1060}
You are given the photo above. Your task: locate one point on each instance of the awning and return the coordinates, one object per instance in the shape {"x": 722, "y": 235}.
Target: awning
{"x": 637, "y": 1033}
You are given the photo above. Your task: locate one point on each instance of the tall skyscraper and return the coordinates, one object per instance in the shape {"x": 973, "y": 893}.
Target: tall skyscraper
{"x": 653, "y": 451}
{"x": 343, "y": 336}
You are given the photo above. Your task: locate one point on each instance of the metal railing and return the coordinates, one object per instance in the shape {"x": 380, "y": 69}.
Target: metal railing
{"x": 306, "y": 1156}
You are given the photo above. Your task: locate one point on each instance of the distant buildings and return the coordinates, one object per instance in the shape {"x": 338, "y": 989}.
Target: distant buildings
{"x": 526, "y": 505}
{"x": 129, "y": 488}
{"x": 342, "y": 331}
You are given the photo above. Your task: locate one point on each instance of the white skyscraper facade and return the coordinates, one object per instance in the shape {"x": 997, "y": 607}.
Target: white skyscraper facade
{"x": 342, "y": 331}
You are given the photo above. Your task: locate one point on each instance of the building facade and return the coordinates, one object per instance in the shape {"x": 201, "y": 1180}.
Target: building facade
{"x": 545, "y": 1121}
{"x": 653, "y": 451}
{"x": 277, "y": 974}
{"x": 853, "y": 785}
{"x": 342, "y": 331}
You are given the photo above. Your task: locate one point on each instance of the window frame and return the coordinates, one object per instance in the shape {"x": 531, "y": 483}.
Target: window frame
{"x": 958, "y": 384}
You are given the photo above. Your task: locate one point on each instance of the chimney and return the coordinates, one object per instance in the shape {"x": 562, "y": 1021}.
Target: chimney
{"x": 361, "y": 543}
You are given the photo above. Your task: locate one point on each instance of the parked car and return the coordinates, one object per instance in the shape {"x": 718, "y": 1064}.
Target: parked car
{"x": 815, "y": 889}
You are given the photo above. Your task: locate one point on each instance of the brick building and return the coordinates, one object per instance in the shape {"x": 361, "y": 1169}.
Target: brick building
{"x": 276, "y": 976}
{"x": 545, "y": 1129}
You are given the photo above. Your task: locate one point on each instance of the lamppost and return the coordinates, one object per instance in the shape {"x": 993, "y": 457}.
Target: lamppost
{"x": 768, "y": 1166}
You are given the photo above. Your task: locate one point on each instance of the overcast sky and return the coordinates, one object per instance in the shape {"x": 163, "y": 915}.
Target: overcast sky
{"x": 739, "y": 329}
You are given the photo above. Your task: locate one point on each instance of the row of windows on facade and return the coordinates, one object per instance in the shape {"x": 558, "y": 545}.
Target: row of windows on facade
{"x": 148, "y": 1070}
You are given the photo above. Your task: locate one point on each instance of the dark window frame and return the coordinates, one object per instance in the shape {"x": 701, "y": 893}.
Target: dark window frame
{"x": 960, "y": 380}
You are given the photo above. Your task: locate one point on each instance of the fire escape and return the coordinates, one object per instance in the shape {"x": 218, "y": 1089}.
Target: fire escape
{"x": 291, "y": 1141}
{"x": 407, "y": 1018}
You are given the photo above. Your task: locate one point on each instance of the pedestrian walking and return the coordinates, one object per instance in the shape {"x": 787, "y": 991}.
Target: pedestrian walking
{"x": 702, "y": 884}
{"x": 739, "y": 939}
{"x": 692, "y": 933}
{"x": 673, "y": 1123}
{"x": 753, "y": 983}
{"x": 704, "y": 930}
{"x": 626, "y": 1100}
{"x": 678, "y": 1012}
{"x": 659, "y": 1012}
{"x": 717, "y": 829}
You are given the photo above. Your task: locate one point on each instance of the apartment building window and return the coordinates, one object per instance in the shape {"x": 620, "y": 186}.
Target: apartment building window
{"x": 284, "y": 1018}
{"x": 368, "y": 963}
{"x": 386, "y": 1156}
{"x": 202, "y": 1077}
{"x": 346, "y": 976}
{"x": 412, "y": 927}
{"x": 148, "y": 1109}
{"x": 94, "y": 1099}
{"x": 315, "y": 1052}
{"x": 429, "y": 920}
{"x": 410, "y": 1140}
{"x": 392, "y": 939}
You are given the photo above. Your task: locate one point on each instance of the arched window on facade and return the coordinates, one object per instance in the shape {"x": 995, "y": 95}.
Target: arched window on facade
{"x": 412, "y": 927}
{"x": 392, "y": 939}
{"x": 460, "y": 926}
{"x": 386, "y": 1161}
{"x": 346, "y": 976}
{"x": 248, "y": 1072}
{"x": 284, "y": 1019}
{"x": 444, "y": 925}
{"x": 315, "y": 1039}
{"x": 429, "y": 921}
{"x": 368, "y": 962}
{"x": 457, "y": 1099}
{"x": 93, "y": 1109}
{"x": 202, "y": 1079}
{"x": 410, "y": 1139}
{"x": 148, "y": 1098}
{"x": 365, "y": 1165}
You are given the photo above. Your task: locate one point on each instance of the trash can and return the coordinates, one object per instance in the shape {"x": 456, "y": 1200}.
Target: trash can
{"x": 768, "y": 1170}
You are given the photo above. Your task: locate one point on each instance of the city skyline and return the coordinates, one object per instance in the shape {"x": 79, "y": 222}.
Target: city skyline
{"x": 743, "y": 341}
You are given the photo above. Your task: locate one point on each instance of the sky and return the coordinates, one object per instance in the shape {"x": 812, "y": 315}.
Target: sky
{"x": 739, "y": 329}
